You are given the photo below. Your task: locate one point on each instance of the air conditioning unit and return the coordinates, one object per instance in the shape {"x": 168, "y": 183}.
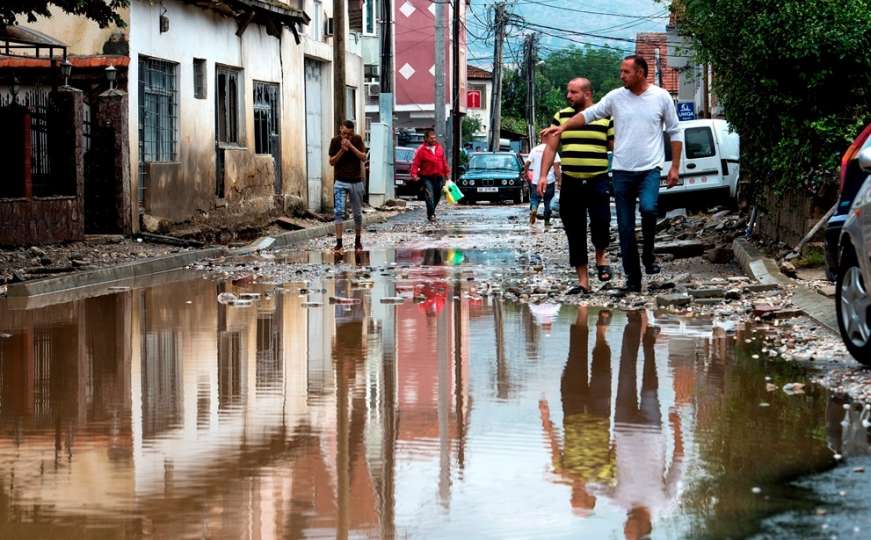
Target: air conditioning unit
{"x": 373, "y": 89}
{"x": 329, "y": 27}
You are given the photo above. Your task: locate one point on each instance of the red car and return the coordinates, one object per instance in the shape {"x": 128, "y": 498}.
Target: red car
{"x": 402, "y": 172}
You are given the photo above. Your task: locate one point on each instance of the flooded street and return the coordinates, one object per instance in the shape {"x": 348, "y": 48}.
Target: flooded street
{"x": 384, "y": 396}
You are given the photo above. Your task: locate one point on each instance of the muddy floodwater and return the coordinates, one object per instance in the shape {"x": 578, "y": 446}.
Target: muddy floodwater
{"x": 388, "y": 399}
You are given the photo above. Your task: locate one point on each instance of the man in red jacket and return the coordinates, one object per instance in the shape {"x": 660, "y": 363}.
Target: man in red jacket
{"x": 429, "y": 164}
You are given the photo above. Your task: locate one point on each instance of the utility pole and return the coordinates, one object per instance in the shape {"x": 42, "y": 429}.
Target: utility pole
{"x": 706, "y": 92}
{"x": 440, "y": 69}
{"x": 339, "y": 13}
{"x": 530, "y": 60}
{"x": 456, "y": 120}
{"x": 496, "y": 98}
{"x": 658, "y": 69}
{"x": 385, "y": 98}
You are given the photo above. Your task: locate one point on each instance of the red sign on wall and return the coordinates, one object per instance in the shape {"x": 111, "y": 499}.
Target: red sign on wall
{"x": 473, "y": 99}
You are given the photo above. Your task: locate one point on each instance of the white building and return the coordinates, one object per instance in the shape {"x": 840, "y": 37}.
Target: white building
{"x": 230, "y": 101}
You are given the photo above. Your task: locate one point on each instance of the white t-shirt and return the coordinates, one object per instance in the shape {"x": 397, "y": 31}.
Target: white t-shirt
{"x": 638, "y": 125}
{"x": 534, "y": 159}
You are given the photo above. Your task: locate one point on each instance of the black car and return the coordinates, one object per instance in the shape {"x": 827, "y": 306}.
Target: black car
{"x": 494, "y": 176}
{"x": 852, "y": 178}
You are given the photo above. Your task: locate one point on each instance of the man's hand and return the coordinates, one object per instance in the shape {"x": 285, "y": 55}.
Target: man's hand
{"x": 673, "y": 177}
{"x": 550, "y": 131}
{"x": 542, "y": 186}
{"x": 346, "y": 144}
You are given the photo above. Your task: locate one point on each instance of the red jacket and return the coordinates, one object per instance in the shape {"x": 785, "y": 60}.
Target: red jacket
{"x": 426, "y": 163}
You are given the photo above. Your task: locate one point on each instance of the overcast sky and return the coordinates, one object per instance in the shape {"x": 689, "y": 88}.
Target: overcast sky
{"x": 620, "y": 19}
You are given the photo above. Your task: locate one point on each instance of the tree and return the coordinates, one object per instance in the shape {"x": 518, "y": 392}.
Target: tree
{"x": 471, "y": 125}
{"x": 600, "y": 66}
{"x": 104, "y": 12}
{"x": 794, "y": 79}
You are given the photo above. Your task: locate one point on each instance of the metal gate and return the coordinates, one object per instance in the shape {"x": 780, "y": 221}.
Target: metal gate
{"x": 313, "y": 133}
{"x": 267, "y": 120}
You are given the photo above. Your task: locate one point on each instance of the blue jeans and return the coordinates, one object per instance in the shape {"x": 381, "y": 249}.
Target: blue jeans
{"x": 629, "y": 187}
{"x": 356, "y": 192}
{"x": 535, "y": 200}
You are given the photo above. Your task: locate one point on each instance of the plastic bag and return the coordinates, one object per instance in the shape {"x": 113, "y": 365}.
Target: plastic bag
{"x": 451, "y": 192}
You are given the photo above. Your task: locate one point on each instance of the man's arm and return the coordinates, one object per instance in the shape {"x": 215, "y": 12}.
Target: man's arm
{"x": 335, "y": 153}
{"x": 551, "y": 143}
{"x": 415, "y": 164}
{"x": 358, "y": 148}
{"x": 671, "y": 126}
{"x": 598, "y": 111}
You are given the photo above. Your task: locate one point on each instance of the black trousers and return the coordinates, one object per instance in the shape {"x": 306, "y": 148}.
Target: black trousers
{"x": 432, "y": 192}
{"x": 577, "y": 199}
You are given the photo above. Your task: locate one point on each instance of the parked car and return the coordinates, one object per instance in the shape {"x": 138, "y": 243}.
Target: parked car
{"x": 852, "y": 177}
{"x": 403, "y": 156}
{"x": 709, "y": 167}
{"x": 852, "y": 248}
{"x": 494, "y": 176}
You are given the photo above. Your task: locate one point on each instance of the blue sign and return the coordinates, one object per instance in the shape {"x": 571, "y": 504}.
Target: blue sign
{"x": 686, "y": 110}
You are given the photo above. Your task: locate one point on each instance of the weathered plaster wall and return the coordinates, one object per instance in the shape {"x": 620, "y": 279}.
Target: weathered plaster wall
{"x": 82, "y": 35}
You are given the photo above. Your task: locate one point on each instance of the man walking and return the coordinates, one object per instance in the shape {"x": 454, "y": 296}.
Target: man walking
{"x": 583, "y": 155}
{"x": 640, "y": 111}
{"x": 546, "y": 191}
{"x": 431, "y": 166}
{"x": 347, "y": 153}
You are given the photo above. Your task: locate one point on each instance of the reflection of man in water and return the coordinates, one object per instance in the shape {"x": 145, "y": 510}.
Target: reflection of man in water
{"x": 646, "y": 484}
{"x": 586, "y": 458}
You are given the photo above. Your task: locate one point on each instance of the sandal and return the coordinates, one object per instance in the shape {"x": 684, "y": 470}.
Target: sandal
{"x": 604, "y": 272}
{"x": 579, "y": 290}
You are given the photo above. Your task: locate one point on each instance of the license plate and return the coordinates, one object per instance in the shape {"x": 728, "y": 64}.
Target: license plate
{"x": 663, "y": 182}
{"x": 488, "y": 190}
{"x": 400, "y": 182}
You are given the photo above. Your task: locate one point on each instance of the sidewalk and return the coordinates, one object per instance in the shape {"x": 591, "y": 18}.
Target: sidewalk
{"x": 765, "y": 270}
{"x": 158, "y": 259}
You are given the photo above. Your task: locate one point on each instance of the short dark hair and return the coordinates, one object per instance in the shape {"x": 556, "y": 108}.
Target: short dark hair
{"x": 348, "y": 124}
{"x": 427, "y": 131}
{"x": 639, "y": 62}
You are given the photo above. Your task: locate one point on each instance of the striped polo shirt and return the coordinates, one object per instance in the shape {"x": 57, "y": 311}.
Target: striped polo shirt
{"x": 584, "y": 152}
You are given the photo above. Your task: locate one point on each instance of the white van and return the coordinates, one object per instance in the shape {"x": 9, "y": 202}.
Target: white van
{"x": 710, "y": 165}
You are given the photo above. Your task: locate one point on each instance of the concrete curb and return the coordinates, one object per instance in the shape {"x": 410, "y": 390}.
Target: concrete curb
{"x": 111, "y": 274}
{"x": 765, "y": 270}
{"x": 138, "y": 269}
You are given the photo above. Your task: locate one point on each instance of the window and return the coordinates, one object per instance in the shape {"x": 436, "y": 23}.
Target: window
{"x": 266, "y": 117}
{"x": 199, "y": 78}
{"x": 699, "y": 143}
{"x": 227, "y": 105}
{"x": 370, "y": 16}
{"x": 317, "y": 26}
{"x": 351, "y": 104}
{"x": 158, "y": 115}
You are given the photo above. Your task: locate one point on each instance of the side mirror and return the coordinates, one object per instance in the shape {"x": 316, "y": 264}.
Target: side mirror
{"x": 865, "y": 160}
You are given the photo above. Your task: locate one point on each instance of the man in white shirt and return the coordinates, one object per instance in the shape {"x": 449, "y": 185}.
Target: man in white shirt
{"x": 640, "y": 111}
{"x": 533, "y": 163}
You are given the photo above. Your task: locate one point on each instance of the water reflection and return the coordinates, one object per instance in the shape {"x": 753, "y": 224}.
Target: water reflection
{"x": 319, "y": 410}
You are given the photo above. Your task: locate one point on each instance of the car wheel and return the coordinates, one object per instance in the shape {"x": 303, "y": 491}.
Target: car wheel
{"x": 853, "y": 307}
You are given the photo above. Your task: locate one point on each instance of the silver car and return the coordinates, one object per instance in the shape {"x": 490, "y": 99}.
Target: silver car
{"x": 852, "y": 297}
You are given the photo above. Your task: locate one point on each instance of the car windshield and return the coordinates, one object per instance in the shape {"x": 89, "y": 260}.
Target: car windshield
{"x": 404, "y": 154}
{"x": 491, "y": 161}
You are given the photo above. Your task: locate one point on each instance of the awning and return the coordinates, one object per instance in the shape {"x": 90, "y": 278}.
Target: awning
{"x": 271, "y": 14}
{"x": 20, "y": 41}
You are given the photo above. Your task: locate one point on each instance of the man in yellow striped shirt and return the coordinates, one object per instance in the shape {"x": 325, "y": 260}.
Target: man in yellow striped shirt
{"x": 584, "y": 161}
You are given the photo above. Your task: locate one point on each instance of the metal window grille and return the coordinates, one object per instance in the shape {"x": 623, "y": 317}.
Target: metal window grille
{"x": 42, "y": 356}
{"x": 228, "y": 105}
{"x": 158, "y": 115}
{"x": 86, "y": 126}
{"x": 40, "y": 165}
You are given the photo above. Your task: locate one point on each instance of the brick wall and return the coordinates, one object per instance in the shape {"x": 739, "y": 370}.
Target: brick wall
{"x": 28, "y": 222}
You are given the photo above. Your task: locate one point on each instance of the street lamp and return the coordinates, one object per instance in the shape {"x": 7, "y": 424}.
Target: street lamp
{"x": 66, "y": 68}
{"x": 111, "y": 73}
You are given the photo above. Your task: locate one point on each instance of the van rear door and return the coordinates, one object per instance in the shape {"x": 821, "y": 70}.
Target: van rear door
{"x": 701, "y": 164}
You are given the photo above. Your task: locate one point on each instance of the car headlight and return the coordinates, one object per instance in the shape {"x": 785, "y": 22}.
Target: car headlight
{"x": 504, "y": 182}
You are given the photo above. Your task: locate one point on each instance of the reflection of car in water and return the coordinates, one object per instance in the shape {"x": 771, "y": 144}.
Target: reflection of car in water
{"x": 494, "y": 176}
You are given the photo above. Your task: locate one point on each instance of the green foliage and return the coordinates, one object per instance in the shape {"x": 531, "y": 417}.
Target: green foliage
{"x": 794, "y": 79}
{"x": 600, "y": 66}
{"x": 104, "y": 12}
{"x": 471, "y": 125}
